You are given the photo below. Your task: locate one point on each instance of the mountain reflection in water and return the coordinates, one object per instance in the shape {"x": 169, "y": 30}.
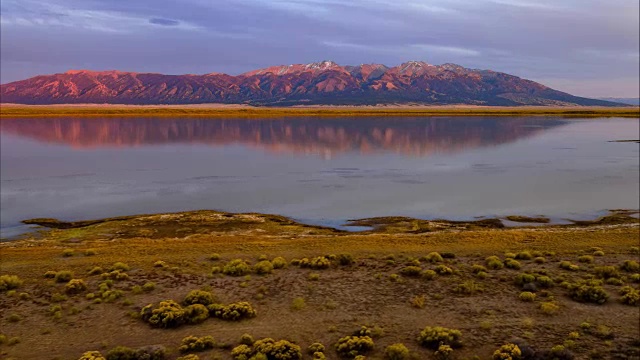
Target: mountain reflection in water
{"x": 320, "y": 136}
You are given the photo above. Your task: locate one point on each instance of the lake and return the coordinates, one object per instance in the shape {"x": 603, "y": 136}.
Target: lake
{"x": 317, "y": 170}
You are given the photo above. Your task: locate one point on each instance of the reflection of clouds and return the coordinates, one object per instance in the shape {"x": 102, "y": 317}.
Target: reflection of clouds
{"x": 321, "y": 137}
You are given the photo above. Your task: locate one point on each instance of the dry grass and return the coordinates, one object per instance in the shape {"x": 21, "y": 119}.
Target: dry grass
{"x": 13, "y": 110}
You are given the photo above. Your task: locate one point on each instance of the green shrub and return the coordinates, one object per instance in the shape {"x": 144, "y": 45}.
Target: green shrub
{"x": 428, "y": 274}
{"x": 540, "y": 260}
{"x": 263, "y": 267}
{"x": 352, "y": 346}
{"x": 549, "y": 308}
{"x": 448, "y": 255}
{"x": 314, "y": 277}
{"x": 146, "y": 353}
{"x": 494, "y": 263}
{"x": 614, "y": 281}
{"x": 588, "y": 259}
{"x": 512, "y": 264}
{"x": 148, "y": 286}
{"x": 63, "y": 276}
{"x": 478, "y": 268}
{"x": 508, "y": 352}
{"x": 246, "y": 339}
{"x": 115, "y": 275}
{"x": 315, "y": 348}
{"x": 167, "y": 314}
{"x": 468, "y": 287}
{"x": 482, "y": 275}
{"x": 232, "y": 312}
{"x": 444, "y": 352}
{"x": 525, "y": 278}
{"x": 396, "y": 352}
{"x": 606, "y": 272}
{"x": 320, "y": 262}
{"x": 598, "y": 253}
{"x": 67, "y": 252}
{"x": 374, "y": 332}
{"x": 630, "y": 266}
{"x": 630, "y": 296}
{"x": 298, "y": 304}
{"x": 510, "y": 255}
{"x": 443, "y": 270}
{"x": 97, "y": 270}
{"x": 189, "y": 357}
{"x": 237, "y": 267}
{"x": 585, "y": 292}
{"x": 75, "y": 286}
{"x": 196, "y": 313}
{"x": 9, "y": 282}
{"x": 411, "y": 271}
{"x": 544, "y": 282}
{"x": 119, "y": 266}
{"x": 196, "y": 344}
{"x": 524, "y": 255}
{"x": 279, "y": 263}
{"x": 434, "y": 257}
{"x": 268, "y": 349}
{"x": 160, "y": 264}
{"x": 200, "y": 297}
{"x": 92, "y": 355}
{"x": 345, "y": 259}
{"x": 432, "y": 337}
{"x": 527, "y": 296}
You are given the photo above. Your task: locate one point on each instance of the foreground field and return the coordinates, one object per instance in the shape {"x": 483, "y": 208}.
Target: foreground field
{"x": 553, "y": 292}
{"x": 238, "y": 111}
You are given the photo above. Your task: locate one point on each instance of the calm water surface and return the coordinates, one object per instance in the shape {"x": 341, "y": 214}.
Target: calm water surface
{"x": 320, "y": 171}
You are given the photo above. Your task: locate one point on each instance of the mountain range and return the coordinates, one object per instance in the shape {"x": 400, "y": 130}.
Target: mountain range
{"x": 413, "y": 82}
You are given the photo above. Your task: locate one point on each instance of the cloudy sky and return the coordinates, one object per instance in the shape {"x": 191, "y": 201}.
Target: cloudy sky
{"x": 585, "y": 47}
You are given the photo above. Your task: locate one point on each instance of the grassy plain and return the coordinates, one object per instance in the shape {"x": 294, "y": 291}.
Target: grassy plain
{"x": 388, "y": 279}
{"x": 239, "y": 111}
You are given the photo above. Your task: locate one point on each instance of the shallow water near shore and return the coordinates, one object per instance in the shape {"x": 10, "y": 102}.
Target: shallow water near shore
{"x": 317, "y": 170}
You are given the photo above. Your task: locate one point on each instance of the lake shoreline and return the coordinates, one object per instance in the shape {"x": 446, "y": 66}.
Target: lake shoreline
{"x": 240, "y": 111}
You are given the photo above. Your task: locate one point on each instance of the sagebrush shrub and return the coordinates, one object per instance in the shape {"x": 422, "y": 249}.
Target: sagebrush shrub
{"x": 606, "y": 272}
{"x": 397, "y": 351}
{"x": 512, "y": 264}
{"x": 196, "y": 313}
{"x": 345, "y": 259}
{"x": 443, "y": 270}
{"x": 352, "y": 346}
{"x": 630, "y": 296}
{"x": 527, "y": 296}
{"x": 524, "y": 255}
{"x": 263, "y": 267}
{"x": 429, "y": 274}
{"x": 237, "y": 267}
{"x": 320, "y": 262}
{"x": 585, "y": 259}
{"x": 494, "y": 263}
{"x": 279, "y": 262}
{"x": 508, "y": 352}
{"x": 549, "y": 307}
{"x": 587, "y": 292}
{"x": 411, "y": 271}
{"x": 196, "y": 344}
{"x": 630, "y": 266}
{"x": 147, "y": 353}
{"x": 9, "y": 282}
{"x": 167, "y": 314}
{"x": 63, "y": 276}
{"x": 478, "y": 268}
{"x": 246, "y": 339}
{"x": 92, "y": 355}
{"x": 268, "y": 349}
{"x": 200, "y": 297}
{"x": 119, "y": 266}
{"x": 434, "y": 257}
{"x": 75, "y": 286}
{"x": 315, "y": 347}
{"x": 468, "y": 287}
{"x": 232, "y": 312}
{"x": 432, "y": 337}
